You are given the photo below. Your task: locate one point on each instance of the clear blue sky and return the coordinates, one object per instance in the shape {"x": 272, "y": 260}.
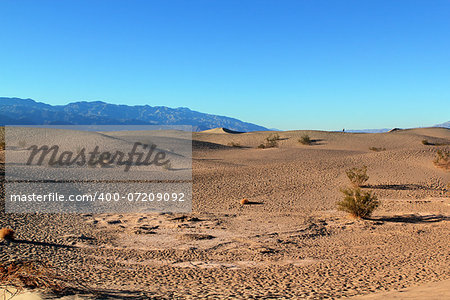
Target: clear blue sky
{"x": 283, "y": 64}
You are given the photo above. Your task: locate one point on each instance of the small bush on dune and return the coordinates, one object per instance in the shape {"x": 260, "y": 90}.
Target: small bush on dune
{"x": 426, "y": 142}
{"x": 357, "y": 176}
{"x": 30, "y": 275}
{"x": 305, "y": 140}
{"x": 6, "y": 234}
{"x": 234, "y": 145}
{"x": 442, "y": 159}
{"x": 244, "y": 201}
{"x": 271, "y": 141}
{"x": 358, "y": 203}
{"x": 274, "y": 137}
{"x": 377, "y": 149}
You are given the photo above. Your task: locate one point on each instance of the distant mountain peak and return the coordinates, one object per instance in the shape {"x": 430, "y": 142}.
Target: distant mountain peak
{"x": 445, "y": 125}
{"x": 17, "y": 111}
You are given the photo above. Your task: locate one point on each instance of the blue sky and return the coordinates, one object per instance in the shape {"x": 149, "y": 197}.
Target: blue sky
{"x": 281, "y": 64}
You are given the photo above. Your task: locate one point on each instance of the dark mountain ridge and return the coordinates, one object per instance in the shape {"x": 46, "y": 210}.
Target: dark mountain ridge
{"x": 17, "y": 111}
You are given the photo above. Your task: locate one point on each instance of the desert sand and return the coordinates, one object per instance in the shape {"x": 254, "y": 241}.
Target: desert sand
{"x": 290, "y": 241}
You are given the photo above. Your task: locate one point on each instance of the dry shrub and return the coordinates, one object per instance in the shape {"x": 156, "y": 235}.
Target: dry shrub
{"x": 426, "y": 142}
{"x": 357, "y": 176}
{"x": 28, "y": 275}
{"x": 442, "y": 159}
{"x": 234, "y": 144}
{"x": 271, "y": 141}
{"x": 31, "y": 275}
{"x": 305, "y": 140}
{"x": 377, "y": 149}
{"x": 6, "y": 234}
{"x": 358, "y": 203}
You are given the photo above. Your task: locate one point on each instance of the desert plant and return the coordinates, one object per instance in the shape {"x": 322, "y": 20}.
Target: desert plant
{"x": 261, "y": 146}
{"x": 426, "y": 142}
{"x": 377, "y": 149}
{"x": 23, "y": 275}
{"x": 272, "y": 141}
{"x": 234, "y": 144}
{"x": 358, "y": 203}
{"x": 357, "y": 176}
{"x": 305, "y": 140}
{"x": 6, "y": 234}
{"x": 273, "y": 136}
{"x": 442, "y": 159}
{"x": 244, "y": 201}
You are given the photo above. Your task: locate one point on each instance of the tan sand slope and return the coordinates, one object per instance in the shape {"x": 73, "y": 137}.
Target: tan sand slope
{"x": 289, "y": 242}
{"x": 221, "y": 130}
{"x": 431, "y": 291}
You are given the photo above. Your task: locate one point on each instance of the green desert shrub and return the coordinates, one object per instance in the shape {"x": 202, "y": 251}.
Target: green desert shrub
{"x": 305, "y": 140}
{"x": 357, "y": 176}
{"x": 358, "y": 203}
{"x": 442, "y": 159}
{"x": 270, "y": 142}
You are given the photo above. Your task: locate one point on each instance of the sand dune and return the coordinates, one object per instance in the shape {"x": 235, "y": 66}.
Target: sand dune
{"x": 289, "y": 242}
{"x": 221, "y": 130}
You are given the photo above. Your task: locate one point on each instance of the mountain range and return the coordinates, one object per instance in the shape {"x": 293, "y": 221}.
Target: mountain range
{"x": 17, "y": 111}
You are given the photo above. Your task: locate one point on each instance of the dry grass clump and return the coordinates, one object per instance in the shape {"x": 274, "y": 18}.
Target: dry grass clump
{"x": 377, "y": 149}
{"x": 28, "y": 275}
{"x": 426, "y": 142}
{"x": 358, "y": 203}
{"x": 271, "y": 141}
{"x": 244, "y": 201}
{"x": 234, "y": 145}
{"x": 442, "y": 159}
{"x": 20, "y": 275}
{"x": 357, "y": 176}
{"x": 6, "y": 234}
{"x": 305, "y": 140}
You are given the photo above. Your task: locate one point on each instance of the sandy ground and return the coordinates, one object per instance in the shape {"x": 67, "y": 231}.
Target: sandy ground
{"x": 289, "y": 242}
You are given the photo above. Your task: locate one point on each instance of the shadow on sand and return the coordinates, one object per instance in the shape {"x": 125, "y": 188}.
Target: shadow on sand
{"x": 254, "y": 203}
{"x": 399, "y": 187}
{"x": 35, "y": 243}
{"x": 414, "y": 219}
